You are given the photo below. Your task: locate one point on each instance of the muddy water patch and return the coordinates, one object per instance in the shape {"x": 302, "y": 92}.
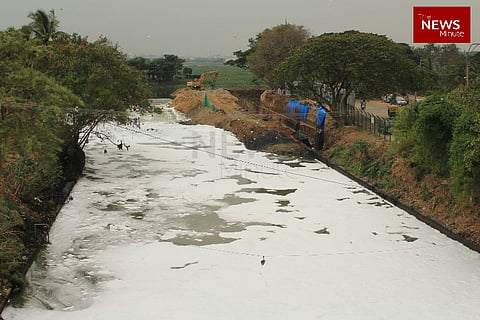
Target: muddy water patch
{"x": 261, "y": 172}
{"x": 233, "y": 199}
{"x": 283, "y": 206}
{"x": 283, "y": 203}
{"x": 139, "y": 215}
{"x": 290, "y": 161}
{"x": 322, "y": 231}
{"x": 202, "y": 226}
{"x": 209, "y": 222}
{"x": 184, "y": 266}
{"x": 241, "y": 180}
{"x": 355, "y": 190}
{"x": 279, "y": 192}
{"x": 198, "y": 240}
{"x": 205, "y": 227}
{"x": 189, "y": 173}
{"x": 105, "y": 193}
{"x": 115, "y": 206}
{"x": 379, "y": 203}
{"x": 284, "y": 211}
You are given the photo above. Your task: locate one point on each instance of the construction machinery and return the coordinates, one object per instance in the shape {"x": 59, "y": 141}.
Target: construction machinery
{"x": 199, "y": 82}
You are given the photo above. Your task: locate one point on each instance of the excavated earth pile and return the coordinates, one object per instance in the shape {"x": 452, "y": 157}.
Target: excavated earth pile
{"x": 255, "y": 130}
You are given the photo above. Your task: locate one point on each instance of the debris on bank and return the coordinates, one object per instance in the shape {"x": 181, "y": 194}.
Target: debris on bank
{"x": 221, "y": 109}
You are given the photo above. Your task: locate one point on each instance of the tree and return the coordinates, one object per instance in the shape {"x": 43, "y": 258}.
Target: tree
{"x": 44, "y": 25}
{"x": 333, "y": 65}
{"x": 99, "y": 74}
{"x": 272, "y": 47}
{"x": 242, "y": 56}
{"x": 442, "y": 67}
{"x": 465, "y": 147}
{"x": 160, "y": 69}
{"x": 33, "y": 107}
{"x": 474, "y": 70}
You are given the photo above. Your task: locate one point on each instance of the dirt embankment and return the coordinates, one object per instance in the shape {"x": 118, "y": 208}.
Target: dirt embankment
{"x": 255, "y": 130}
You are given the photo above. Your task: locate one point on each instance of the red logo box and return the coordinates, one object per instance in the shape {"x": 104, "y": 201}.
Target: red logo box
{"x": 441, "y": 24}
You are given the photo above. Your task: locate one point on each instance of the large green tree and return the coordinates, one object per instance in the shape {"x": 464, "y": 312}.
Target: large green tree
{"x": 99, "y": 74}
{"x": 333, "y": 65}
{"x": 272, "y": 47}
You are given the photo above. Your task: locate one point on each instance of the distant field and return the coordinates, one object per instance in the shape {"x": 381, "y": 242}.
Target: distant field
{"x": 228, "y": 76}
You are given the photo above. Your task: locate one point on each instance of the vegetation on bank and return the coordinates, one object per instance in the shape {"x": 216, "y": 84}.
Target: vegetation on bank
{"x": 441, "y": 136}
{"x": 54, "y": 88}
{"x": 433, "y": 161}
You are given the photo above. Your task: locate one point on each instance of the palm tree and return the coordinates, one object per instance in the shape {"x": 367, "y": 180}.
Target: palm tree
{"x": 44, "y": 26}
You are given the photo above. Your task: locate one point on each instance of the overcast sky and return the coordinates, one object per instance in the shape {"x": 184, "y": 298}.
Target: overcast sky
{"x": 219, "y": 27}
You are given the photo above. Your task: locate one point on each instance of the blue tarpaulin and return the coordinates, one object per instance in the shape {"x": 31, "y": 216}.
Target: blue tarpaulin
{"x": 303, "y": 110}
{"x": 298, "y": 110}
{"x": 320, "y": 121}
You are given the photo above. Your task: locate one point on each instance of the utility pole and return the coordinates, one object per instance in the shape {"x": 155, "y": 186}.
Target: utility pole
{"x": 467, "y": 60}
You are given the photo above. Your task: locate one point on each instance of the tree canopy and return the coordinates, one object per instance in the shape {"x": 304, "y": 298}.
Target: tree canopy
{"x": 270, "y": 48}
{"x": 51, "y": 97}
{"x": 366, "y": 63}
{"x": 159, "y": 69}
{"x": 442, "y": 67}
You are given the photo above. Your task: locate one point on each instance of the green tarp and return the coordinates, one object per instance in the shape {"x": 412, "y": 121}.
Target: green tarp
{"x": 207, "y": 103}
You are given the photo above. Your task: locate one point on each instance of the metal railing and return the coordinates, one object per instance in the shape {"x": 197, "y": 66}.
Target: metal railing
{"x": 377, "y": 125}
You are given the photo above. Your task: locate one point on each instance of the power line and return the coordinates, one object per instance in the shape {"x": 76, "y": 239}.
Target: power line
{"x": 322, "y": 254}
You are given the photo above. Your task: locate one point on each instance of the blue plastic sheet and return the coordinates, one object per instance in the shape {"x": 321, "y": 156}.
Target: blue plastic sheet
{"x": 320, "y": 121}
{"x": 297, "y": 110}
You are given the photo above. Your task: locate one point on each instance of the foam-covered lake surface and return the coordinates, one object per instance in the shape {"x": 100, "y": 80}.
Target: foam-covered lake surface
{"x": 176, "y": 227}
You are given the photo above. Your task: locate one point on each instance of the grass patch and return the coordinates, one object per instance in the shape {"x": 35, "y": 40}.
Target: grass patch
{"x": 364, "y": 160}
{"x": 228, "y": 76}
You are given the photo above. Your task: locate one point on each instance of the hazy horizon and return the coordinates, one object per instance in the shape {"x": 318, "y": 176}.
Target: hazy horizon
{"x": 220, "y": 27}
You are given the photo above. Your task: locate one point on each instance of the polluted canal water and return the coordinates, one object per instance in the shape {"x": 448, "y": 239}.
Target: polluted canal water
{"x": 188, "y": 224}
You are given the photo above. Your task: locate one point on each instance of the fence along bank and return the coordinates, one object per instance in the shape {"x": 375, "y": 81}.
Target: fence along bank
{"x": 304, "y": 117}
